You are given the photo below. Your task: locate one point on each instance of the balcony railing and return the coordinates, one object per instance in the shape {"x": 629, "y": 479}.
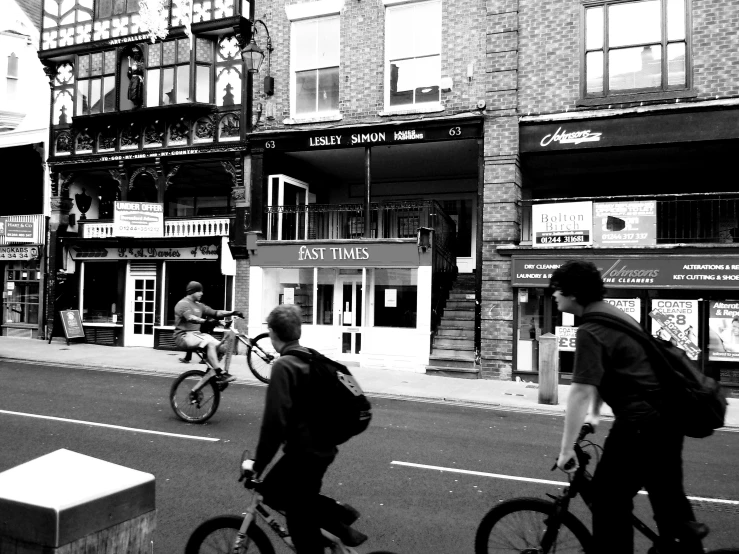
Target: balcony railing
{"x": 173, "y": 228}
{"x": 681, "y": 218}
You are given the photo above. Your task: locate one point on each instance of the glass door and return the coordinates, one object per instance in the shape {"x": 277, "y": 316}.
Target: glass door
{"x": 349, "y": 301}
{"x": 287, "y": 200}
{"x": 141, "y": 300}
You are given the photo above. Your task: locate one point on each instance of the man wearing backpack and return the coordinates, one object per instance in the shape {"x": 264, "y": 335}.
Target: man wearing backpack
{"x": 294, "y": 483}
{"x": 643, "y": 448}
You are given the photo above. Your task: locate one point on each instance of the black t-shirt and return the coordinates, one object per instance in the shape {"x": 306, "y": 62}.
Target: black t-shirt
{"x": 617, "y": 364}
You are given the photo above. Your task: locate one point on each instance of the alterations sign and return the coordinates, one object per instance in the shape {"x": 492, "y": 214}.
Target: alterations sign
{"x": 138, "y": 219}
{"x": 625, "y": 223}
{"x": 566, "y": 224}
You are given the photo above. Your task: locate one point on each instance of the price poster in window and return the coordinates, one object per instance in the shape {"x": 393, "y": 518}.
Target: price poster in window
{"x": 723, "y": 330}
{"x": 565, "y": 338}
{"x": 391, "y": 298}
{"x": 289, "y": 296}
{"x": 683, "y": 313}
{"x": 631, "y": 306}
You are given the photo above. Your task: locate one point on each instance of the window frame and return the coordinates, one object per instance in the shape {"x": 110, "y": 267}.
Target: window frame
{"x": 105, "y": 72}
{"x": 26, "y": 285}
{"x": 161, "y": 67}
{"x": 665, "y": 90}
{"x": 420, "y": 106}
{"x": 294, "y": 71}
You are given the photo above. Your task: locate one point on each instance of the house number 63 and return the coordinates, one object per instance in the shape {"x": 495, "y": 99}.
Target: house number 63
{"x": 455, "y": 131}
{"x": 269, "y": 144}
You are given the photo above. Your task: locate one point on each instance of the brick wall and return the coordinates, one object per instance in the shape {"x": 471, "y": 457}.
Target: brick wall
{"x": 550, "y": 42}
{"x": 241, "y": 294}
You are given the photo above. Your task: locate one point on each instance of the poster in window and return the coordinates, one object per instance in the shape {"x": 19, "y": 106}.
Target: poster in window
{"x": 564, "y": 224}
{"x": 565, "y": 338}
{"x": 684, "y": 314}
{"x": 391, "y": 298}
{"x": 288, "y": 296}
{"x": 621, "y": 223}
{"x": 138, "y": 219}
{"x": 631, "y": 306}
{"x": 723, "y": 330}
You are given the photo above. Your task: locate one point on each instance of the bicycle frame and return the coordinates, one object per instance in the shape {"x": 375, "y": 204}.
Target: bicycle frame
{"x": 258, "y": 508}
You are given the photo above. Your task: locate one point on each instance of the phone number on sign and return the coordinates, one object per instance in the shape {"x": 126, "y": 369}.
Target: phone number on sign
{"x": 624, "y": 236}
{"x": 561, "y": 240}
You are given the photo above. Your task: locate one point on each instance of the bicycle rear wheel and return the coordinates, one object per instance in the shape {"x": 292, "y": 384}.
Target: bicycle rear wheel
{"x": 260, "y": 356}
{"x": 518, "y": 526}
{"x": 198, "y": 408}
{"x": 218, "y": 536}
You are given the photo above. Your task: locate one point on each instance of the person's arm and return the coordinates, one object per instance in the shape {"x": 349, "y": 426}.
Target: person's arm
{"x": 579, "y": 400}
{"x": 593, "y": 416}
{"x": 276, "y": 412}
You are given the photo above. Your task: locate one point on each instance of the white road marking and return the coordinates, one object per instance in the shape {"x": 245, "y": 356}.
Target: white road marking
{"x": 120, "y": 428}
{"x": 540, "y": 481}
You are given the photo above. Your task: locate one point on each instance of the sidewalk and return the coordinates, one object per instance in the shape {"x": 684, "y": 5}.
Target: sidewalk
{"x": 376, "y": 382}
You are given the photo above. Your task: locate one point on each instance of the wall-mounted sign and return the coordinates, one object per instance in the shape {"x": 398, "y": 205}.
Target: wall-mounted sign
{"x": 625, "y": 223}
{"x": 138, "y": 219}
{"x": 566, "y": 224}
{"x": 101, "y": 254}
{"x": 723, "y": 330}
{"x": 676, "y": 321}
{"x": 19, "y": 231}
{"x": 687, "y": 272}
{"x": 565, "y": 338}
{"x": 631, "y": 306}
{"x": 573, "y": 135}
{"x": 19, "y": 252}
{"x": 349, "y": 254}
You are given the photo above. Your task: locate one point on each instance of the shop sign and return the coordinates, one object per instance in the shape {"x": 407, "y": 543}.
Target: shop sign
{"x": 85, "y": 253}
{"x": 22, "y": 231}
{"x": 19, "y": 252}
{"x": 403, "y": 254}
{"x": 677, "y": 321}
{"x": 688, "y": 272}
{"x": 723, "y": 330}
{"x": 566, "y": 224}
{"x": 138, "y": 219}
{"x": 631, "y": 306}
{"x": 565, "y": 338}
{"x": 625, "y": 223}
{"x": 574, "y": 136}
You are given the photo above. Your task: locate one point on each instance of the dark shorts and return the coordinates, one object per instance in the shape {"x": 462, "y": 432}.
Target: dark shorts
{"x": 193, "y": 340}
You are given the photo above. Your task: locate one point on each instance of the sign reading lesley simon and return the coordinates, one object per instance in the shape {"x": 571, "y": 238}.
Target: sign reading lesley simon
{"x": 566, "y": 224}
{"x": 350, "y": 254}
{"x": 687, "y": 272}
{"x": 138, "y": 219}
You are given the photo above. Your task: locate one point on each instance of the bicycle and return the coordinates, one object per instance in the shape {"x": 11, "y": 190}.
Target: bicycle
{"x": 195, "y": 394}
{"x": 530, "y": 525}
{"x": 231, "y": 534}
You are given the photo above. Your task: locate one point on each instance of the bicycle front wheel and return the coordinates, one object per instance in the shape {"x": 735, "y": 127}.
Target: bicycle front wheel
{"x": 218, "y": 536}
{"x": 194, "y": 407}
{"x": 519, "y": 525}
{"x": 260, "y": 356}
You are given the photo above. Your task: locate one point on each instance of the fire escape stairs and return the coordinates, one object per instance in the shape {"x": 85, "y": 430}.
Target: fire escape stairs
{"x": 453, "y": 347}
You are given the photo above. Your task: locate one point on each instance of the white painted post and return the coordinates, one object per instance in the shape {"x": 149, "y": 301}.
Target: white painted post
{"x": 548, "y": 369}
{"x": 65, "y": 502}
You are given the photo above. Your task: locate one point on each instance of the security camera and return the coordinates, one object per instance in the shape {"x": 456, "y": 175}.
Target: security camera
{"x": 481, "y": 104}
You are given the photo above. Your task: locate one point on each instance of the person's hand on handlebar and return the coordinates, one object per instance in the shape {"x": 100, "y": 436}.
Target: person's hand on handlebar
{"x": 567, "y": 461}
{"x": 248, "y": 475}
{"x": 238, "y": 313}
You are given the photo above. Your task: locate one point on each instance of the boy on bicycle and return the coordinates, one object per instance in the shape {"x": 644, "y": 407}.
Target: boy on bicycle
{"x": 189, "y": 314}
{"x": 643, "y": 448}
{"x": 294, "y": 483}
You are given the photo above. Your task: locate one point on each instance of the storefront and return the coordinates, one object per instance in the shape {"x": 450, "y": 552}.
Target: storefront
{"x": 21, "y": 262}
{"x": 126, "y": 292}
{"x": 698, "y": 293}
{"x": 362, "y": 302}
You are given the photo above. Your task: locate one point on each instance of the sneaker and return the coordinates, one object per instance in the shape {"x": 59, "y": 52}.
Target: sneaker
{"x": 225, "y": 377}
{"x": 184, "y": 360}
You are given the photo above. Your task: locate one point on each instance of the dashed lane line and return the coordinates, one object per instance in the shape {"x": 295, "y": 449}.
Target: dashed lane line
{"x": 108, "y": 426}
{"x": 542, "y": 481}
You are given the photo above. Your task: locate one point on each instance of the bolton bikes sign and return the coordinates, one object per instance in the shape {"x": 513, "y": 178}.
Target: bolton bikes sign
{"x": 694, "y": 272}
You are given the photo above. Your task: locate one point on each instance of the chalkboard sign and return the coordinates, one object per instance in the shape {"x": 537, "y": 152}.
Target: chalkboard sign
{"x": 72, "y": 324}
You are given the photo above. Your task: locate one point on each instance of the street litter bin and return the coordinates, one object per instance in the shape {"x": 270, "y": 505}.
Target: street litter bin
{"x": 67, "y": 502}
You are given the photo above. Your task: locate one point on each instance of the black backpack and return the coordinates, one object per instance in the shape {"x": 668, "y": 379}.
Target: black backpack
{"x": 689, "y": 398}
{"x": 338, "y": 409}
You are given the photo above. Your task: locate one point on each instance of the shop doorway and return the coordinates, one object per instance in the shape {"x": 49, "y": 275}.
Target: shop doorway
{"x": 289, "y": 196}
{"x": 349, "y": 305}
{"x": 141, "y": 299}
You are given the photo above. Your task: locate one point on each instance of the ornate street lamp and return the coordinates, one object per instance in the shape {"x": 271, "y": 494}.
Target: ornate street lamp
{"x": 253, "y": 56}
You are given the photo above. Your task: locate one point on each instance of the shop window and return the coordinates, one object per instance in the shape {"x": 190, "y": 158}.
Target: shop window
{"x": 100, "y": 302}
{"x": 96, "y": 83}
{"x": 325, "y": 296}
{"x": 288, "y": 286}
{"x": 314, "y": 57}
{"x": 394, "y": 293}
{"x": 412, "y": 54}
{"x": 21, "y": 301}
{"x": 621, "y": 56}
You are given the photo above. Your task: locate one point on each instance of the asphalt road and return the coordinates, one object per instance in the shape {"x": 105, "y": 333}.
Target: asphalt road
{"x": 406, "y": 509}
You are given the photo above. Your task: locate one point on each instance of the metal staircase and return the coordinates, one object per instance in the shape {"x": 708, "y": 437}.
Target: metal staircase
{"x": 453, "y": 348}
